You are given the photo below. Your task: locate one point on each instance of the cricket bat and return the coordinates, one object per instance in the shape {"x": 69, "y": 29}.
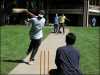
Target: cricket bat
{"x": 18, "y": 10}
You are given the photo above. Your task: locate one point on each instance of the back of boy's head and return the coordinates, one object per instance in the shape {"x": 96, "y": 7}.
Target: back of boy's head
{"x": 70, "y": 39}
{"x": 42, "y": 12}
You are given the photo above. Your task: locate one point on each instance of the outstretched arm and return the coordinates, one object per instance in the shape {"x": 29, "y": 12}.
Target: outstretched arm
{"x": 67, "y": 19}
{"x": 31, "y": 14}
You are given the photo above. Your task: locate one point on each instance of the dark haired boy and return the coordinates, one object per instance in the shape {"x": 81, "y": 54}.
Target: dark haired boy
{"x": 36, "y": 33}
{"x": 67, "y": 58}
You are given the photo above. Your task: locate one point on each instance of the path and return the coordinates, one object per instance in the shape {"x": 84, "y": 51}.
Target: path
{"x": 45, "y": 57}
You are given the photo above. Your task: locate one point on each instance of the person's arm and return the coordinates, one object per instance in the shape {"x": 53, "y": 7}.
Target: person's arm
{"x": 78, "y": 60}
{"x": 57, "y": 62}
{"x": 67, "y": 19}
{"x": 31, "y": 14}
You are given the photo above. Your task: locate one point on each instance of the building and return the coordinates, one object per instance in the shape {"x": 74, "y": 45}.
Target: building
{"x": 80, "y": 12}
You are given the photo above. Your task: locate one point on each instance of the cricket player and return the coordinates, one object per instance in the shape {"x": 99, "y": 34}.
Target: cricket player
{"x": 36, "y": 33}
{"x": 62, "y": 19}
{"x": 68, "y": 58}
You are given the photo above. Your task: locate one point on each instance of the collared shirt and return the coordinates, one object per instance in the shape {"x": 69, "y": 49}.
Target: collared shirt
{"x": 36, "y": 29}
{"x": 56, "y": 20}
{"x": 67, "y": 61}
{"x": 62, "y": 19}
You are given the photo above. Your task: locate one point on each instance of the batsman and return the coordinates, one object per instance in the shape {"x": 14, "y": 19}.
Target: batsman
{"x": 36, "y": 33}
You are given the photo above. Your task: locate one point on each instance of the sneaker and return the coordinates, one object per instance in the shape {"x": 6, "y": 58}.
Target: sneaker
{"x": 30, "y": 62}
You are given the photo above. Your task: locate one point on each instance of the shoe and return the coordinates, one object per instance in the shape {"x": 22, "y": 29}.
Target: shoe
{"x": 30, "y": 63}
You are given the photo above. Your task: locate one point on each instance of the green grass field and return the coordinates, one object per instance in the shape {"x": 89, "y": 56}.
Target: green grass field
{"x": 13, "y": 45}
{"x": 88, "y": 42}
{"x": 15, "y": 40}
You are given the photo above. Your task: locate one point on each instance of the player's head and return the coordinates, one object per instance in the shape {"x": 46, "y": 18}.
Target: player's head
{"x": 41, "y": 13}
{"x": 56, "y": 14}
{"x": 70, "y": 39}
{"x": 62, "y": 14}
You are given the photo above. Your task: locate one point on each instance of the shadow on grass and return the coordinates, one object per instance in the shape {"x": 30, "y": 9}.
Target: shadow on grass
{"x": 16, "y": 61}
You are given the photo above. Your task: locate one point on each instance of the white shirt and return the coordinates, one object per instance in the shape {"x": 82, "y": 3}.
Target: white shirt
{"x": 36, "y": 29}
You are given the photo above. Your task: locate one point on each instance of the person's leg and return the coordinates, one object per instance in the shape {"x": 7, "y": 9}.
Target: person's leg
{"x": 54, "y": 28}
{"x": 36, "y": 44}
{"x": 30, "y": 47}
{"x": 63, "y": 28}
{"x": 59, "y": 28}
{"x": 93, "y": 24}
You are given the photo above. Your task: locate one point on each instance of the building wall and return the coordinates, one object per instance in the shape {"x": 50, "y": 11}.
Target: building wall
{"x": 68, "y": 6}
{"x": 72, "y": 8}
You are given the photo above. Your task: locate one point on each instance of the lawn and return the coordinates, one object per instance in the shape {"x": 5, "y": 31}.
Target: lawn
{"x": 14, "y": 42}
{"x": 88, "y": 42}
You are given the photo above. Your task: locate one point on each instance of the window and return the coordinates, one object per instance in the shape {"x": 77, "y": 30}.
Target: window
{"x": 95, "y": 2}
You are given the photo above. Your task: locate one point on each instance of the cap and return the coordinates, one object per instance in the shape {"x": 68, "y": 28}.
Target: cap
{"x": 40, "y": 15}
{"x": 42, "y": 12}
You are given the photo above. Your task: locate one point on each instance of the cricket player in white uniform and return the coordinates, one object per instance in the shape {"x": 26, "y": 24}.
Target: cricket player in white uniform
{"x": 36, "y": 33}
